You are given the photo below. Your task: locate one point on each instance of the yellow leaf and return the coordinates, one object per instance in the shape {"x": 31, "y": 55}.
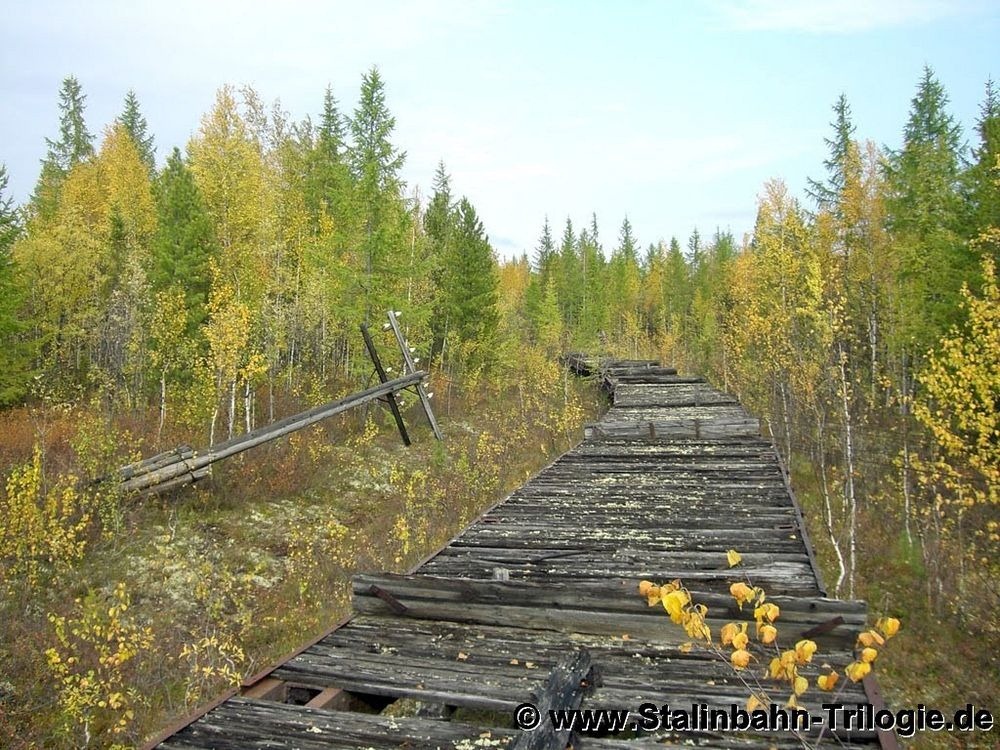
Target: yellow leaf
{"x": 740, "y": 658}
{"x": 729, "y": 630}
{"x": 775, "y": 669}
{"x": 740, "y": 640}
{"x": 685, "y": 648}
{"x": 674, "y": 603}
{"x": 767, "y": 611}
{"x": 741, "y": 593}
{"x": 767, "y": 633}
{"x": 644, "y": 587}
{"x": 804, "y": 651}
{"x": 870, "y": 638}
{"x": 801, "y": 685}
{"x": 857, "y": 670}
{"x": 733, "y": 557}
{"x": 888, "y": 625}
{"x": 753, "y": 704}
{"x": 827, "y": 681}
{"x": 869, "y": 655}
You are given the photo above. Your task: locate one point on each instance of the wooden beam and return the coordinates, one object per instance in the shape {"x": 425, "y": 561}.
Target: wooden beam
{"x": 269, "y": 689}
{"x": 190, "y": 466}
{"x": 390, "y": 397}
{"x": 330, "y": 698}
{"x": 410, "y": 366}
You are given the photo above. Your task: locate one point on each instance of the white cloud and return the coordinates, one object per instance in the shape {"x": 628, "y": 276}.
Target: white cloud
{"x": 837, "y": 16}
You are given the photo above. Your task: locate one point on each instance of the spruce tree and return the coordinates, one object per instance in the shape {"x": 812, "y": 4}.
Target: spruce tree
{"x": 593, "y": 302}
{"x": 982, "y": 180}
{"x": 135, "y": 123}
{"x": 375, "y": 164}
{"x": 185, "y": 241}
{"x": 924, "y": 213}
{"x": 542, "y": 263}
{"x": 677, "y": 288}
{"x": 74, "y": 145}
{"x": 624, "y": 280}
{"x": 438, "y": 219}
{"x": 827, "y": 194}
{"x": 627, "y": 243}
{"x": 14, "y": 352}
{"x": 329, "y": 181}
{"x": 439, "y": 227}
{"x": 545, "y": 251}
{"x": 470, "y": 288}
{"x": 331, "y": 129}
{"x": 569, "y": 280}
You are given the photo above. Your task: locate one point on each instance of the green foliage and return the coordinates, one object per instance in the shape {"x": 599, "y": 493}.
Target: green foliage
{"x": 74, "y": 145}
{"x": 982, "y": 179}
{"x": 924, "y": 214}
{"x": 468, "y": 291}
{"x": 375, "y": 164}
{"x": 15, "y": 351}
{"x": 828, "y": 194}
{"x": 45, "y": 524}
{"x": 184, "y": 241}
{"x": 135, "y": 124}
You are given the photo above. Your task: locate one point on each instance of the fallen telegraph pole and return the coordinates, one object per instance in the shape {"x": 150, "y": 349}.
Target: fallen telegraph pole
{"x": 182, "y": 465}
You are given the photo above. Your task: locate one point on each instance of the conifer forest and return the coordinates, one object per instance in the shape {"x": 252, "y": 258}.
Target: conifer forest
{"x": 152, "y": 297}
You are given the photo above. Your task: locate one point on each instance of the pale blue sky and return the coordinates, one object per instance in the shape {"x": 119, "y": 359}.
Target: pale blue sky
{"x": 672, "y": 112}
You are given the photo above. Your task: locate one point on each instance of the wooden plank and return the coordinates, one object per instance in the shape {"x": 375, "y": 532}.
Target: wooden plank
{"x": 242, "y": 723}
{"x": 583, "y": 608}
{"x": 270, "y": 688}
{"x": 330, "y": 697}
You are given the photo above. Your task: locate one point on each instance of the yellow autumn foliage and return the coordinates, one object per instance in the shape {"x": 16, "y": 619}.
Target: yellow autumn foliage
{"x": 92, "y": 661}
{"x": 827, "y": 681}
{"x": 959, "y": 400}
{"x": 44, "y": 529}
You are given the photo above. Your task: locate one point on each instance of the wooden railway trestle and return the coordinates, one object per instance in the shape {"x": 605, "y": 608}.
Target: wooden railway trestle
{"x": 536, "y": 600}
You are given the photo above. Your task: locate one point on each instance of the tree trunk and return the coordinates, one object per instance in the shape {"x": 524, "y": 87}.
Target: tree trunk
{"x": 232, "y": 407}
{"x": 247, "y": 416}
{"x": 849, "y": 493}
{"x": 163, "y": 406}
{"x": 828, "y": 504}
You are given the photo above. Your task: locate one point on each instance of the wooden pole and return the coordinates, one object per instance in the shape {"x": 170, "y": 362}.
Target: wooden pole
{"x": 410, "y": 366}
{"x": 390, "y": 397}
{"x": 192, "y": 466}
